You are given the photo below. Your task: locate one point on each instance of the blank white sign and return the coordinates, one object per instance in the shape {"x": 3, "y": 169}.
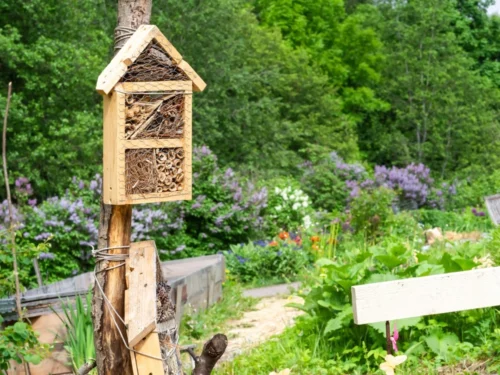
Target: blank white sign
{"x": 428, "y": 295}
{"x": 493, "y": 206}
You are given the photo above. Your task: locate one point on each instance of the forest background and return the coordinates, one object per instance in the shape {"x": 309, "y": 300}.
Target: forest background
{"x": 383, "y": 82}
{"x": 329, "y": 97}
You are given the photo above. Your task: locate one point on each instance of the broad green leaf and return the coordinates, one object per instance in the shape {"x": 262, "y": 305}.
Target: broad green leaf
{"x": 389, "y": 261}
{"x": 440, "y": 343}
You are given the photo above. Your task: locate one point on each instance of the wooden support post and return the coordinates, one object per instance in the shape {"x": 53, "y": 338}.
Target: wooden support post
{"x": 112, "y": 356}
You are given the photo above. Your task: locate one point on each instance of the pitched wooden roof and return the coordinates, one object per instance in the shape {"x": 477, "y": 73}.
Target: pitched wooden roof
{"x": 141, "y": 38}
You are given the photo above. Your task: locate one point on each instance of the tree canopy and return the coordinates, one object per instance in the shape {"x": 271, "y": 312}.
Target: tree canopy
{"x": 386, "y": 81}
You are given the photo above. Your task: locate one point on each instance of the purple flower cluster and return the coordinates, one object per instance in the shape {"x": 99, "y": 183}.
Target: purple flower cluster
{"x": 477, "y": 213}
{"x": 413, "y": 183}
{"x": 23, "y": 186}
{"x": 348, "y": 171}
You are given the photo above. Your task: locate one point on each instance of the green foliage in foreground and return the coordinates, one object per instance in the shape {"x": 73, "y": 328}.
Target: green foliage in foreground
{"x": 19, "y": 343}
{"x": 262, "y": 262}
{"x": 201, "y": 325}
{"x": 326, "y": 340}
{"x": 79, "y": 340}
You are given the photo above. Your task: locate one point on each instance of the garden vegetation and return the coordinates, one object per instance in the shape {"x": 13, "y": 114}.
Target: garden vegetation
{"x": 331, "y": 135}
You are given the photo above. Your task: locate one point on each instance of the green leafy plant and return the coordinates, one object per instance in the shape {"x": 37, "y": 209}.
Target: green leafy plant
{"x": 370, "y": 210}
{"x": 263, "y": 261}
{"x": 79, "y": 340}
{"x": 19, "y": 343}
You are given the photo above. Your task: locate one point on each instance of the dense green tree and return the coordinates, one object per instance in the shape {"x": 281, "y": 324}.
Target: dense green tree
{"x": 443, "y": 111}
{"x": 340, "y": 44}
{"x": 52, "y": 51}
{"x": 264, "y": 102}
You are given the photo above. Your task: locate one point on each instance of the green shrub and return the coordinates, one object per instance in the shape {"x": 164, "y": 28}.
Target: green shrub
{"x": 370, "y": 210}
{"x": 329, "y": 305}
{"x": 455, "y": 221}
{"x": 267, "y": 261}
{"x": 19, "y": 343}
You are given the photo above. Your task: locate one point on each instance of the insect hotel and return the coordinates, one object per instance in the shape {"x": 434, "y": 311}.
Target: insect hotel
{"x": 147, "y": 90}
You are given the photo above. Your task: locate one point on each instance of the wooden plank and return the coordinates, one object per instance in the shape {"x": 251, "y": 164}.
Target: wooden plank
{"x": 141, "y": 314}
{"x": 110, "y": 183}
{"x": 115, "y": 70}
{"x": 198, "y": 83}
{"x": 188, "y": 143}
{"x": 153, "y": 143}
{"x": 155, "y": 197}
{"x": 167, "y": 46}
{"x": 145, "y": 365}
{"x": 185, "y": 86}
{"x": 178, "y": 304}
{"x": 429, "y": 295}
{"x": 493, "y": 206}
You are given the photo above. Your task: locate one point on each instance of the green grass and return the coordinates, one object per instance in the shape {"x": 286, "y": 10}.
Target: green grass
{"x": 199, "y": 326}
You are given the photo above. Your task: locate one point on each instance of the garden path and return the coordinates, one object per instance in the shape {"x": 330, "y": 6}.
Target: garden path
{"x": 270, "y": 317}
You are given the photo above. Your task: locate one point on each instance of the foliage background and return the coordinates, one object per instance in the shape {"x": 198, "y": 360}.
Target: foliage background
{"x": 388, "y": 82}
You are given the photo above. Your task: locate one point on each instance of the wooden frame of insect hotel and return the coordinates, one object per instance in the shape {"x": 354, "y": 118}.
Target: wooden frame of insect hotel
{"x": 147, "y": 90}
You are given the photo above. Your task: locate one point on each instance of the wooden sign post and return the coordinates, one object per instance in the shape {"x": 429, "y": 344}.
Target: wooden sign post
{"x": 430, "y": 295}
{"x": 493, "y": 206}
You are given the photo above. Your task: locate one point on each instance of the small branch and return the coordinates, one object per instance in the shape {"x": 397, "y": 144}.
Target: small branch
{"x": 212, "y": 351}
{"x": 86, "y": 368}
{"x": 9, "y": 201}
{"x": 191, "y": 352}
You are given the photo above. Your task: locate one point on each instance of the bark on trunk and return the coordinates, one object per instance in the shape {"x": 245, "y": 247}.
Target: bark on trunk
{"x": 212, "y": 352}
{"x": 112, "y": 356}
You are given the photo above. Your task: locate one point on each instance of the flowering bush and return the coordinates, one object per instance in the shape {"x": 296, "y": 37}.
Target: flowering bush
{"x": 290, "y": 208}
{"x": 325, "y": 181}
{"x": 224, "y": 211}
{"x": 332, "y": 184}
{"x": 277, "y": 260}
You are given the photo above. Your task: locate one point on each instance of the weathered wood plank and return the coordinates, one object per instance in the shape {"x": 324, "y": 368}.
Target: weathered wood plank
{"x": 429, "y": 295}
{"x": 493, "y": 206}
{"x": 141, "y": 314}
{"x": 124, "y": 58}
{"x": 145, "y": 365}
{"x": 185, "y": 86}
{"x": 153, "y": 143}
{"x": 198, "y": 83}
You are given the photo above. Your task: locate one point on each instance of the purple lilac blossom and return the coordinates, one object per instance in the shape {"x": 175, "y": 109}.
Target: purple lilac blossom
{"x": 46, "y": 256}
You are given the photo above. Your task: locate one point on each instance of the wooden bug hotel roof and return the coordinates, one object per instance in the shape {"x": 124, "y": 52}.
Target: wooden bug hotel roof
{"x": 142, "y": 38}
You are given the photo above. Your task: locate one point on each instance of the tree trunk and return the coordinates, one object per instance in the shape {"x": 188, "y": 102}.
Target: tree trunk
{"x": 112, "y": 356}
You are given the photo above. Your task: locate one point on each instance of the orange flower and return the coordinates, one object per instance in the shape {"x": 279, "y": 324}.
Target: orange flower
{"x": 315, "y": 247}
{"x": 273, "y": 243}
{"x": 315, "y": 239}
{"x": 283, "y": 235}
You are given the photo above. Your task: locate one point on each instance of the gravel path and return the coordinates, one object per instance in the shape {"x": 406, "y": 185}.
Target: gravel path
{"x": 270, "y": 317}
